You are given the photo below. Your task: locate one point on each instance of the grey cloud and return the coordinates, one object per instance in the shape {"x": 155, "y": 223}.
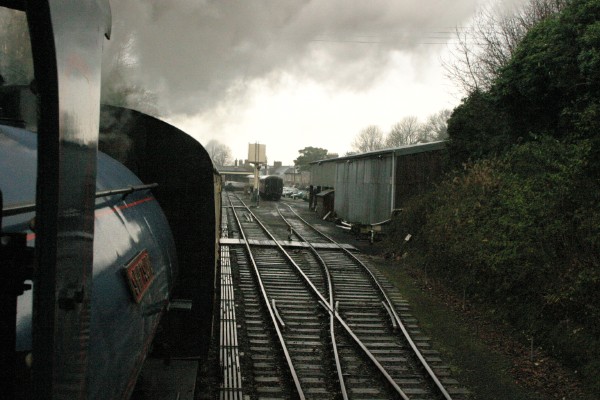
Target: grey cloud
{"x": 196, "y": 55}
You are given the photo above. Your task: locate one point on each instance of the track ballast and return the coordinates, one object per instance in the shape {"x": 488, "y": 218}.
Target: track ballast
{"x": 315, "y": 321}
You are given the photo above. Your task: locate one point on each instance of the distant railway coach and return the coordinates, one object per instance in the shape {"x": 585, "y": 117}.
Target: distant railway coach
{"x": 370, "y": 186}
{"x": 270, "y": 187}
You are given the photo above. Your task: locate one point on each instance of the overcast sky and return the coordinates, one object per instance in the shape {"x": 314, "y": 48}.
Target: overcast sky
{"x": 290, "y": 73}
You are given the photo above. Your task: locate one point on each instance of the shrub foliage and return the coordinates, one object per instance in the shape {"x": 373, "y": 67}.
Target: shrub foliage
{"x": 516, "y": 225}
{"x": 514, "y": 233}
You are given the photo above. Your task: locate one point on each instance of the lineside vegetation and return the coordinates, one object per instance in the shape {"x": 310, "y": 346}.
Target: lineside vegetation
{"x": 515, "y": 225}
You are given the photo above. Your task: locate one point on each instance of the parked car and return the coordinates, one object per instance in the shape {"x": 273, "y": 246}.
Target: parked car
{"x": 300, "y": 194}
{"x": 289, "y": 191}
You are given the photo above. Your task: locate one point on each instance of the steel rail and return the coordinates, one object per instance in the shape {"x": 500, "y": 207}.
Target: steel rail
{"x": 329, "y": 309}
{"x": 286, "y": 353}
{"x": 405, "y": 332}
{"x": 331, "y": 305}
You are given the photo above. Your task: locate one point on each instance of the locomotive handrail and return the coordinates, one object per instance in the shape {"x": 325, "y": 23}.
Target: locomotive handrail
{"x": 23, "y": 208}
{"x": 16, "y": 209}
{"x": 127, "y": 190}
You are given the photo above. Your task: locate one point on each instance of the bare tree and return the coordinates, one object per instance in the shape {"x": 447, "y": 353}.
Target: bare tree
{"x": 369, "y": 139}
{"x": 219, "y": 153}
{"x": 436, "y": 127}
{"x": 404, "y": 132}
{"x": 487, "y": 45}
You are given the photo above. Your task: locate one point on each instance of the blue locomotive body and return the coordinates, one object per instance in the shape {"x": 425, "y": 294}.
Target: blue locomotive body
{"x": 99, "y": 260}
{"x": 134, "y": 264}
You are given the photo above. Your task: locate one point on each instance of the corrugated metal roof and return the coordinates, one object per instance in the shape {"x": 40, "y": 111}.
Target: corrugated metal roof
{"x": 325, "y": 192}
{"x": 322, "y": 175}
{"x": 368, "y": 186}
{"x": 364, "y": 189}
{"x": 402, "y": 150}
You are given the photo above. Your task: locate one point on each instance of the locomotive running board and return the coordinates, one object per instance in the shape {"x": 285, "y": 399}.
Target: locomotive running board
{"x": 284, "y": 243}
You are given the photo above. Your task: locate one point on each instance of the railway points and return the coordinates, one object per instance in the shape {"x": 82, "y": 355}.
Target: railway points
{"x": 314, "y": 321}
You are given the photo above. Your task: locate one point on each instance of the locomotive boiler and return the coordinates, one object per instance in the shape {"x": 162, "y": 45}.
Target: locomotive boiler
{"x": 98, "y": 247}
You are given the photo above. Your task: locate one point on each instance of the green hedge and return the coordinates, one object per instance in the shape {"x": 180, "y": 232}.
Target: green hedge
{"x": 520, "y": 233}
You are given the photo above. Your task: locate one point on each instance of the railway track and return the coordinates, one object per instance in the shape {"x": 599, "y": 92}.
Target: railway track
{"x": 315, "y": 321}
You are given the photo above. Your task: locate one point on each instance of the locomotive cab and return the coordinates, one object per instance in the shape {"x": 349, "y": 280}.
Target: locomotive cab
{"x": 103, "y": 242}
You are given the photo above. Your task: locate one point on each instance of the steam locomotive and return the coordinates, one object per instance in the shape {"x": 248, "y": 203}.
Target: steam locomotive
{"x": 98, "y": 247}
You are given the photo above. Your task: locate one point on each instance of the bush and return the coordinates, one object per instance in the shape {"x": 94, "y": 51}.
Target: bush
{"x": 519, "y": 228}
{"x": 515, "y": 233}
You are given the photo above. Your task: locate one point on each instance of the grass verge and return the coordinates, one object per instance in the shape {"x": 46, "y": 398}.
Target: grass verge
{"x": 484, "y": 356}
